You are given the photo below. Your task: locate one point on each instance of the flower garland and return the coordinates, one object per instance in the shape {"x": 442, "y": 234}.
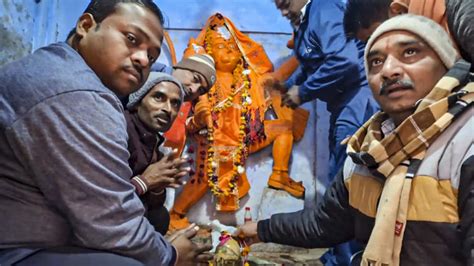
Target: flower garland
{"x": 241, "y": 76}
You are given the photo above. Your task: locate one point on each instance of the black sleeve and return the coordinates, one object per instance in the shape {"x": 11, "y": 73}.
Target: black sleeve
{"x": 329, "y": 224}
{"x": 155, "y": 200}
{"x": 466, "y": 209}
{"x": 460, "y": 14}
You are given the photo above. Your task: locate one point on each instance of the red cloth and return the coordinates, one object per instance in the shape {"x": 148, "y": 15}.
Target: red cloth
{"x": 176, "y": 135}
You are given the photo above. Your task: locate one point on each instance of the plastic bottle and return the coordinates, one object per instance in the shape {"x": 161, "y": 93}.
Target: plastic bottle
{"x": 247, "y": 215}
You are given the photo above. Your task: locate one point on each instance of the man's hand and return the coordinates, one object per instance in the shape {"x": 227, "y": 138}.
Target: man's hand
{"x": 273, "y": 84}
{"x": 248, "y": 232}
{"x": 167, "y": 172}
{"x": 189, "y": 253}
{"x": 291, "y": 98}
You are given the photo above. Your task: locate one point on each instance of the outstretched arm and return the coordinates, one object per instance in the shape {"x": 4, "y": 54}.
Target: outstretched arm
{"x": 328, "y": 224}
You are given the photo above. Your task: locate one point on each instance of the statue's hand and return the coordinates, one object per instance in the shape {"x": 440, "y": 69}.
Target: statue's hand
{"x": 201, "y": 119}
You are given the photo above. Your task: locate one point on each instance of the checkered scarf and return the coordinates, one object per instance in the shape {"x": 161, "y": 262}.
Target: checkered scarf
{"x": 396, "y": 157}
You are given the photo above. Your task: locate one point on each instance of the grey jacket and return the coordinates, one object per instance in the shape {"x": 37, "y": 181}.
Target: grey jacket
{"x": 64, "y": 173}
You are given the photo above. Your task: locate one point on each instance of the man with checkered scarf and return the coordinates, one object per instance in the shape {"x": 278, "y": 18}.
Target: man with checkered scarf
{"x": 406, "y": 190}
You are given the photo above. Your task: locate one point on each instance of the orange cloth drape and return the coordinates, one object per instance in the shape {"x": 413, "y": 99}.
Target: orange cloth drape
{"x": 432, "y": 9}
{"x": 226, "y": 135}
{"x": 252, "y": 51}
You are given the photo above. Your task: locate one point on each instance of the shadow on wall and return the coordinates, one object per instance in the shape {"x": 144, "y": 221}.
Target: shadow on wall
{"x": 15, "y": 24}
{"x": 13, "y": 45}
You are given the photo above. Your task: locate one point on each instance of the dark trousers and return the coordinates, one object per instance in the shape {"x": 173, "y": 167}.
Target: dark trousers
{"x": 70, "y": 256}
{"x": 159, "y": 217}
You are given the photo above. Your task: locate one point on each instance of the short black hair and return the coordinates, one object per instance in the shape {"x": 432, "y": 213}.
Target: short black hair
{"x": 363, "y": 13}
{"x": 100, "y": 9}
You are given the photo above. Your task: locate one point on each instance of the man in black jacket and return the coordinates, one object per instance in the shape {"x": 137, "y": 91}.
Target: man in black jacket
{"x": 151, "y": 111}
{"x": 407, "y": 188}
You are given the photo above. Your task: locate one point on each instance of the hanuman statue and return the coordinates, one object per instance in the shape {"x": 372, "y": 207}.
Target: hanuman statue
{"x": 229, "y": 122}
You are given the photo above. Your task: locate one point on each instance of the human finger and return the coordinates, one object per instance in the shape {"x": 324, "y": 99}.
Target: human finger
{"x": 204, "y": 257}
{"x": 285, "y": 100}
{"x": 180, "y": 232}
{"x": 181, "y": 163}
{"x": 170, "y": 156}
{"x": 183, "y": 171}
{"x": 203, "y": 248}
{"x": 169, "y": 172}
{"x": 191, "y": 232}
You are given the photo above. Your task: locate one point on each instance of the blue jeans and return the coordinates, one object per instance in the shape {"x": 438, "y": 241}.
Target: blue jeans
{"x": 345, "y": 122}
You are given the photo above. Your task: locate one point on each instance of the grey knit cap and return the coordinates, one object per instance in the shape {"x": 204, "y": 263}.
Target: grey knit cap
{"x": 428, "y": 30}
{"x": 154, "y": 78}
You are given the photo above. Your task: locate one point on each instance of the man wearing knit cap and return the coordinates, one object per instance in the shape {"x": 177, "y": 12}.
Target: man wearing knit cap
{"x": 151, "y": 111}
{"x": 406, "y": 190}
{"x": 197, "y": 73}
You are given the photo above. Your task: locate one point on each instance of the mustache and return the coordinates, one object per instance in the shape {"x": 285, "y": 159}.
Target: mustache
{"x": 405, "y": 84}
{"x": 164, "y": 115}
{"x": 187, "y": 91}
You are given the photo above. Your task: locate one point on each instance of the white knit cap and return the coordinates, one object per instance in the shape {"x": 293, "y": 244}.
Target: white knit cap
{"x": 428, "y": 30}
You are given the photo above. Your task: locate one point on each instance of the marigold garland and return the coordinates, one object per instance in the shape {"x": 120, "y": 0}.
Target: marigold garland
{"x": 241, "y": 77}
{"x": 242, "y": 150}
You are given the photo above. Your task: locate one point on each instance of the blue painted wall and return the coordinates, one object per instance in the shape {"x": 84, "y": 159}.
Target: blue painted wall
{"x": 26, "y": 25}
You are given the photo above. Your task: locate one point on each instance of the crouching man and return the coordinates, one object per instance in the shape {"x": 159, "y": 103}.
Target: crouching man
{"x": 407, "y": 188}
{"x": 151, "y": 111}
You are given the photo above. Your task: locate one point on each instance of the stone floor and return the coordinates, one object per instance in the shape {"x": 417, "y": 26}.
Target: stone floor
{"x": 274, "y": 254}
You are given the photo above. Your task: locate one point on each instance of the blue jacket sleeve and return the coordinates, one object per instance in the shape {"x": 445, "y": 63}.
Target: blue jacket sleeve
{"x": 297, "y": 78}
{"x": 339, "y": 69}
{"x": 78, "y": 159}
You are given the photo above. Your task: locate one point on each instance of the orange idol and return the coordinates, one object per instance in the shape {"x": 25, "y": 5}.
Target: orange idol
{"x": 232, "y": 121}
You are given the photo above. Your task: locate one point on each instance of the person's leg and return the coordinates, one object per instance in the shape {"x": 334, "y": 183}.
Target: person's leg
{"x": 10, "y": 256}
{"x": 159, "y": 217}
{"x": 192, "y": 192}
{"x": 341, "y": 127}
{"x": 279, "y": 132}
{"x": 346, "y": 123}
{"x": 73, "y": 256}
